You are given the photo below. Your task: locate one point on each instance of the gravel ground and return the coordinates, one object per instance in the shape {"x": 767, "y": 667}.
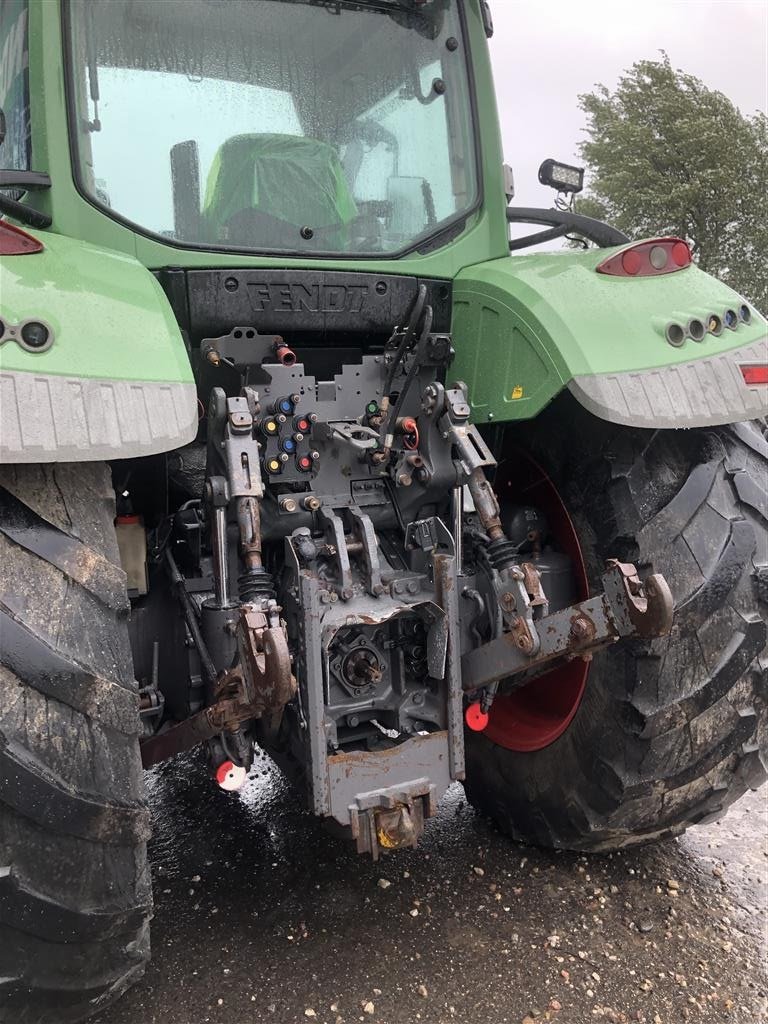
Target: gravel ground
{"x": 262, "y": 916}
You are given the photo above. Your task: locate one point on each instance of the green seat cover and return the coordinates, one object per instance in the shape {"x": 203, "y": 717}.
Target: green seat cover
{"x": 294, "y": 179}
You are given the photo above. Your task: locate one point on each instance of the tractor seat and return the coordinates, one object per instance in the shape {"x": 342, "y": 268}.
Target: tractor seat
{"x": 262, "y": 189}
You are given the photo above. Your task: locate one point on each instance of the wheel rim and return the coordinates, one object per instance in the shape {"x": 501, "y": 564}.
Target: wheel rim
{"x": 536, "y": 715}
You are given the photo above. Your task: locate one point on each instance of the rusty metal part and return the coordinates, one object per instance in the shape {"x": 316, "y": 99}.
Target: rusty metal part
{"x": 265, "y": 662}
{"x": 532, "y": 582}
{"x": 627, "y": 607}
{"x": 223, "y": 716}
{"x": 520, "y": 632}
{"x": 361, "y": 667}
{"x": 392, "y": 818}
{"x": 582, "y": 628}
{"x": 263, "y": 685}
{"x": 486, "y": 505}
{"x": 647, "y": 605}
{"x": 249, "y": 527}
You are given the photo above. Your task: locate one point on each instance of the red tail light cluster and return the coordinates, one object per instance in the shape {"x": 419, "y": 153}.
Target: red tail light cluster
{"x": 15, "y": 242}
{"x": 648, "y": 259}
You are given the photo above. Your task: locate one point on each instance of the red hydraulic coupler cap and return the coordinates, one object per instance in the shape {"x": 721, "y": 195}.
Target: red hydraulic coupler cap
{"x": 475, "y": 717}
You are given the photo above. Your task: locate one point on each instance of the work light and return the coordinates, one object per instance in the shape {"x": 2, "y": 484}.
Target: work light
{"x": 563, "y": 177}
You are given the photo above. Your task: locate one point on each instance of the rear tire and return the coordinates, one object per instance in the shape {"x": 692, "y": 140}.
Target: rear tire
{"x": 668, "y": 732}
{"x": 75, "y": 894}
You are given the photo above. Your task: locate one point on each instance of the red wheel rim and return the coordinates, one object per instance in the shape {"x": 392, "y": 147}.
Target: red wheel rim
{"x": 536, "y": 715}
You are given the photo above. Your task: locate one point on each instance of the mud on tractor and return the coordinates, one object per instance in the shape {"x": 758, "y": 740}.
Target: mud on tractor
{"x": 298, "y": 457}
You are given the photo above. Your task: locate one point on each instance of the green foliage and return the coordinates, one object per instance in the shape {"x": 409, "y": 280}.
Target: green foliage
{"x": 667, "y": 155}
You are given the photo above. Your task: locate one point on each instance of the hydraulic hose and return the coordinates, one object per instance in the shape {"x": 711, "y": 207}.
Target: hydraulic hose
{"x": 410, "y": 330}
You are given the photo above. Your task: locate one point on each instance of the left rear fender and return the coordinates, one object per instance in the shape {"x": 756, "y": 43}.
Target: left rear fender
{"x": 116, "y": 381}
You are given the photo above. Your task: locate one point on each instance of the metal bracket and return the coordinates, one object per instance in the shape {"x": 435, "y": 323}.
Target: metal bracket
{"x": 517, "y": 608}
{"x": 241, "y": 348}
{"x": 391, "y": 819}
{"x": 627, "y": 607}
{"x": 429, "y": 535}
{"x": 362, "y": 527}
{"x": 337, "y": 548}
{"x": 640, "y": 608}
{"x": 232, "y": 449}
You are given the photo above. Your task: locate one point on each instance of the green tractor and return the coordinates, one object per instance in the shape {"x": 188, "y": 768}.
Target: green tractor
{"x": 297, "y": 456}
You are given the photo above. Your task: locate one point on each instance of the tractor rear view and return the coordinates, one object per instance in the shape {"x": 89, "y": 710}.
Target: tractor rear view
{"x": 296, "y": 456}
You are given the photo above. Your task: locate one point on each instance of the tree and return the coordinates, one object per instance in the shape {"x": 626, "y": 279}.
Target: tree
{"x": 667, "y": 155}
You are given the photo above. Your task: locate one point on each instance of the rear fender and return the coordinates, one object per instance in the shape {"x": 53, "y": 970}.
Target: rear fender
{"x": 527, "y": 327}
{"x": 116, "y": 381}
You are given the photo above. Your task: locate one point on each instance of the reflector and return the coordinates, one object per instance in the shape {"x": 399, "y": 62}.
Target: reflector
{"x": 757, "y": 373}
{"x": 15, "y": 242}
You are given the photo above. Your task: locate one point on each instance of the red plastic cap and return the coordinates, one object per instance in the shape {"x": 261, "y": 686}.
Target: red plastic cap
{"x": 755, "y": 374}
{"x": 125, "y": 520}
{"x": 475, "y": 717}
{"x": 15, "y": 242}
{"x": 223, "y": 771}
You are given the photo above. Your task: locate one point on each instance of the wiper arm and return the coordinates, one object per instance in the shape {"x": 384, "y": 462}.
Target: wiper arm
{"x": 385, "y": 6}
{"x": 381, "y": 6}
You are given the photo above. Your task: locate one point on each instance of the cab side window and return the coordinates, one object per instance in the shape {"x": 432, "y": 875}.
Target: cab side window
{"x": 14, "y": 84}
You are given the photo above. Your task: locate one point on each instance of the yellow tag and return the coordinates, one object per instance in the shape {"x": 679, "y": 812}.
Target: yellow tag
{"x": 517, "y": 391}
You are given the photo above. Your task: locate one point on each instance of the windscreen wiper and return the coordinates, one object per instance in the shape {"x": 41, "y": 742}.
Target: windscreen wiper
{"x": 409, "y": 8}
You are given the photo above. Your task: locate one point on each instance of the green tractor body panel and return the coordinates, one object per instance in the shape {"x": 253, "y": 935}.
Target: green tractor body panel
{"x": 525, "y": 327}
{"x": 115, "y": 380}
{"x": 528, "y": 326}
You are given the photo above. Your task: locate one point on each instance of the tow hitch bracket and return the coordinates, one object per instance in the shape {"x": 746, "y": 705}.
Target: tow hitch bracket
{"x": 392, "y": 819}
{"x": 628, "y": 607}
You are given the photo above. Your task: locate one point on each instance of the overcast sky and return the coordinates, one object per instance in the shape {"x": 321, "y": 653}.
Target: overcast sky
{"x": 546, "y": 53}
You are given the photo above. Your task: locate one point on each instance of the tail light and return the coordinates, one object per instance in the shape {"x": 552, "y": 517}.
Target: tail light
{"x": 15, "y": 242}
{"x": 648, "y": 259}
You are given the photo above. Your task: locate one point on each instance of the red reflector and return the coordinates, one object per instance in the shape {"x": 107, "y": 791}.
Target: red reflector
{"x": 15, "y": 242}
{"x": 475, "y": 717}
{"x": 755, "y": 374}
{"x": 648, "y": 259}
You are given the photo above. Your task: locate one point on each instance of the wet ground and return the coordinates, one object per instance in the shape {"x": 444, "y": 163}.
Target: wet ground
{"x": 261, "y": 916}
